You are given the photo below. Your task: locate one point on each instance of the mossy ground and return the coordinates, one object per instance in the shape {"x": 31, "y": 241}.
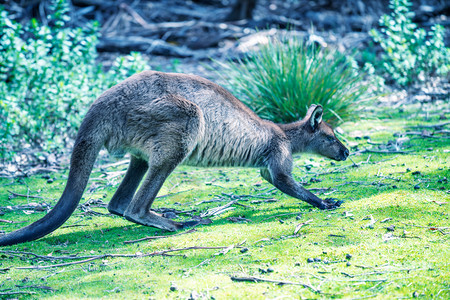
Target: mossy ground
{"x": 359, "y": 256}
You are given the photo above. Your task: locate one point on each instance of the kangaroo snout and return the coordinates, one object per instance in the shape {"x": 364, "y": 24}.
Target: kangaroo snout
{"x": 345, "y": 154}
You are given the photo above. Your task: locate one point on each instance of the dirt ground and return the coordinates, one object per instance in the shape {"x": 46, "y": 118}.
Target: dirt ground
{"x": 180, "y": 35}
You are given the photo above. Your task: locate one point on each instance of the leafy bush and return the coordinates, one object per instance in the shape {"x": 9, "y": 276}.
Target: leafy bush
{"x": 283, "y": 78}
{"x": 48, "y": 79}
{"x": 411, "y": 53}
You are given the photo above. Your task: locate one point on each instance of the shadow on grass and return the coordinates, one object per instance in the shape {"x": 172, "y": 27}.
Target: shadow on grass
{"x": 113, "y": 236}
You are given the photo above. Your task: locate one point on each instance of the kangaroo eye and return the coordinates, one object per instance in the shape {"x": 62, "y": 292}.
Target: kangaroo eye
{"x": 330, "y": 139}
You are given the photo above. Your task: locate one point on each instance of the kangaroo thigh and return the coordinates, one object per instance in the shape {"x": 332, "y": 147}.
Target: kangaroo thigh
{"x": 169, "y": 129}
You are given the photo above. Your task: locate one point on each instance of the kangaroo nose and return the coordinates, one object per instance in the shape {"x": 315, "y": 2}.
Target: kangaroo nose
{"x": 346, "y": 153}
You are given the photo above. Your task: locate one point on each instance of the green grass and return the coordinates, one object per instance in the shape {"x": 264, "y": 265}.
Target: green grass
{"x": 411, "y": 261}
{"x": 285, "y": 76}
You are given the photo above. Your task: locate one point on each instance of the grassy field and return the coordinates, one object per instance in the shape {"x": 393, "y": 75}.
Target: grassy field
{"x": 390, "y": 238}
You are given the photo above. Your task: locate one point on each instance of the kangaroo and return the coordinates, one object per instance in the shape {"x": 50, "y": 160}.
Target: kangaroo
{"x": 167, "y": 119}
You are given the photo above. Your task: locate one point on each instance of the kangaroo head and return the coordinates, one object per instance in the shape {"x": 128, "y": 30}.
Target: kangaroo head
{"x": 320, "y": 136}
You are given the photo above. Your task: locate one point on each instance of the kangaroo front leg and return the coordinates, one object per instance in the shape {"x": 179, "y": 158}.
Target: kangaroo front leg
{"x": 124, "y": 194}
{"x": 285, "y": 183}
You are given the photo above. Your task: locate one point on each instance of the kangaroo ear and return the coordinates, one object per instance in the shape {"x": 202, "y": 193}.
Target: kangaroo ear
{"x": 315, "y": 113}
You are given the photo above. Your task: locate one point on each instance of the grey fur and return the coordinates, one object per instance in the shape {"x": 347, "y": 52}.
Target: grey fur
{"x": 165, "y": 120}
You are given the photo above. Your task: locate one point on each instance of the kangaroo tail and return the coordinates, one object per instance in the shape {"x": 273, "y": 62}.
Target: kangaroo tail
{"x": 84, "y": 154}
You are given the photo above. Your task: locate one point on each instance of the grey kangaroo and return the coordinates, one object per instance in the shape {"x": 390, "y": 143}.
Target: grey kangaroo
{"x": 164, "y": 120}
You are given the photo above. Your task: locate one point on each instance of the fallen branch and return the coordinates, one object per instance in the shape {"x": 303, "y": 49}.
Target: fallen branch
{"x": 137, "y": 255}
{"x": 147, "y": 45}
{"x": 280, "y": 282}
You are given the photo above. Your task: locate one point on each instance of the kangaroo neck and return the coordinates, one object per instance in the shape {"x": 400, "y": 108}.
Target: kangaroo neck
{"x": 297, "y": 135}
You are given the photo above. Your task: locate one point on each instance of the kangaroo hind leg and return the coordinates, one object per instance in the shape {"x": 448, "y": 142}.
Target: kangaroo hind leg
{"x": 173, "y": 125}
{"x": 124, "y": 194}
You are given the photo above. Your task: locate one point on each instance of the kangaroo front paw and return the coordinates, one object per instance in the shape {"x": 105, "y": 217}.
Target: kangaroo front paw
{"x": 329, "y": 203}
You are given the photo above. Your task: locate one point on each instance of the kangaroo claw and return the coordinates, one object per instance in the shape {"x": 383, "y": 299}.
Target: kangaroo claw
{"x": 329, "y": 203}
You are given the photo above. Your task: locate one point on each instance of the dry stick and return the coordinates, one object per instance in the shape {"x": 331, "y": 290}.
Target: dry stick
{"x": 430, "y": 126}
{"x": 156, "y": 253}
{"x": 218, "y": 210}
{"x": 158, "y": 237}
{"x": 42, "y": 287}
{"x": 384, "y": 151}
{"x": 258, "y": 279}
{"x": 74, "y": 225}
{"x": 428, "y": 227}
{"x": 286, "y": 214}
{"x": 137, "y": 17}
{"x": 16, "y": 293}
{"x": 26, "y": 196}
{"x": 6, "y": 221}
{"x": 116, "y": 164}
{"x": 354, "y": 164}
{"x": 299, "y": 226}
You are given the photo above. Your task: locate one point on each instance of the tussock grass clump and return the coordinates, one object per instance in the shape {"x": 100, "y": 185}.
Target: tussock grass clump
{"x": 286, "y": 76}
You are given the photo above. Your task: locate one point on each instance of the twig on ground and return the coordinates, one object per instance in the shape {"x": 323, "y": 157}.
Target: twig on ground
{"x": 218, "y": 210}
{"x": 74, "y": 225}
{"x": 299, "y": 226}
{"x": 280, "y": 282}
{"x": 116, "y": 164}
{"x": 137, "y": 255}
{"x": 436, "y": 126}
{"x": 354, "y": 164}
{"x": 56, "y": 273}
{"x": 158, "y": 237}
{"x": 16, "y": 293}
{"x": 41, "y": 287}
{"x": 7, "y": 221}
{"x": 384, "y": 151}
{"x": 427, "y": 227}
{"x": 437, "y": 202}
{"x": 26, "y": 196}
{"x": 282, "y": 215}
{"x": 29, "y": 206}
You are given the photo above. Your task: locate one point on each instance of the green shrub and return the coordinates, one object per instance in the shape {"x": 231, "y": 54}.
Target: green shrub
{"x": 411, "y": 53}
{"x": 284, "y": 77}
{"x": 48, "y": 79}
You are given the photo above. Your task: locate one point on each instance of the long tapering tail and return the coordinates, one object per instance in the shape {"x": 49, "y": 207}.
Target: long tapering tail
{"x": 84, "y": 153}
